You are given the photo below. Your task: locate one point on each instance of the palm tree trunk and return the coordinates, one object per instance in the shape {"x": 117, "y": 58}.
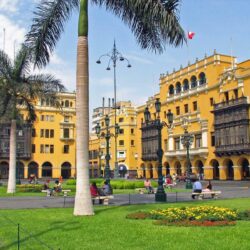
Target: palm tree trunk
{"x": 12, "y": 163}
{"x": 83, "y": 202}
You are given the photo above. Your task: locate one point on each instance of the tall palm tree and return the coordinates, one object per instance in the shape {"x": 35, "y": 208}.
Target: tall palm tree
{"x": 153, "y": 22}
{"x": 19, "y": 89}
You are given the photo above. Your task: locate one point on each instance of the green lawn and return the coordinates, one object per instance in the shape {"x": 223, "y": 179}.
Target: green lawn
{"x": 109, "y": 229}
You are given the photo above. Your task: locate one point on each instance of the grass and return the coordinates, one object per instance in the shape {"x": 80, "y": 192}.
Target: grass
{"x": 109, "y": 229}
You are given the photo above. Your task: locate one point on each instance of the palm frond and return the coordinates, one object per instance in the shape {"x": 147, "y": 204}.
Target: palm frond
{"x": 22, "y": 62}
{"x": 154, "y": 23}
{"x": 5, "y": 66}
{"x": 43, "y": 85}
{"x": 48, "y": 24}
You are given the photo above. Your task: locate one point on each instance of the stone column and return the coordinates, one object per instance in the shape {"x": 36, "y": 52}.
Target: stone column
{"x": 208, "y": 172}
{"x": 170, "y": 140}
{"x": 223, "y": 173}
{"x": 237, "y": 173}
{"x": 40, "y": 172}
{"x": 26, "y": 172}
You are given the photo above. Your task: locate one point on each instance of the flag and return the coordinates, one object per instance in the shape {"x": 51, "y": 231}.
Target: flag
{"x": 190, "y": 35}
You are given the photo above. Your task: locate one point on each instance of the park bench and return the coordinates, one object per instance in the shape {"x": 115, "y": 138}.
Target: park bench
{"x": 64, "y": 191}
{"x": 144, "y": 190}
{"x": 104, "y": 199}
{"x": 207, "y": 194}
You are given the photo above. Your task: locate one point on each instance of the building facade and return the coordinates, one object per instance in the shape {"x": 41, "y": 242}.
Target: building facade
{"x": 126, "y": 150}
{"x": 47, "y": 147}
{"x": 209, "y": 98}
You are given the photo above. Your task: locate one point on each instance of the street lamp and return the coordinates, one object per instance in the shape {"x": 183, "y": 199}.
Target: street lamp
{"x": 158, "y": 124}
{"x": 114, "y": 56}
{"x": 107, "y": 135}
{"x": 187, "y": 140}
{"x": 100, "y": 154}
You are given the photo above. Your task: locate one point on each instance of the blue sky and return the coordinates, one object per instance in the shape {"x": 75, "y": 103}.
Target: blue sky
{"x": 215, "y": 23}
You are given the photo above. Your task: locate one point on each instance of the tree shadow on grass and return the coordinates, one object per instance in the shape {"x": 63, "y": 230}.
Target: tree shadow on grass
{"x": 34, "y": 236}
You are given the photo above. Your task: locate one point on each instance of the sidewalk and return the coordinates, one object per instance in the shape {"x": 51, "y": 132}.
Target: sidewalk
{"x": 229, "y": 190}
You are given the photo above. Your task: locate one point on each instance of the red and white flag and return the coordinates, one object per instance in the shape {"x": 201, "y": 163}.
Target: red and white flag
{"x": 190, "y": 35}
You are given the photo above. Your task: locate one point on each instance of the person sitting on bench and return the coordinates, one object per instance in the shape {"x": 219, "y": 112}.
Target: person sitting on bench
{"x": 107, "y": 189}
{"x": 197, "y": 188}
{"x": 57, "y": 187}
{"x": 94, "y": 191}
{"x": 147, "y": 185}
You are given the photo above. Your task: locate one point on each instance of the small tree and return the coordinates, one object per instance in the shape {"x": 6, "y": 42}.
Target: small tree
{"x": 19, "y": 89}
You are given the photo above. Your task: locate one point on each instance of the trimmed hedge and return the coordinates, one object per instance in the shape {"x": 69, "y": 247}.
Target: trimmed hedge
{"x": 29, "y": 188}
{"x": 118, "y": 184}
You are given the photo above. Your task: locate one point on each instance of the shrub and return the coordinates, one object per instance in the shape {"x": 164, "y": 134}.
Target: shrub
{"x": 71, "y": 182}
{"x": 29, "y": 188}
{"x": 244, "y": 215}
{"x": 117, "y": 184}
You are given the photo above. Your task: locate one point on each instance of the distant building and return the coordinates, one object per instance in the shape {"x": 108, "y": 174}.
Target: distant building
{"x": 46, "y": 148}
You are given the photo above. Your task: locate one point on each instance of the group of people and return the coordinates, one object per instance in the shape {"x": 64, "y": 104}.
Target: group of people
{"x": 105, "y": 190}
{"x": 197, "y": 187}
{"x": 56, "y": 189}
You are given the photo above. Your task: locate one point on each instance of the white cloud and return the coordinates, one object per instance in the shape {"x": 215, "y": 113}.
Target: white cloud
{"x": 138, "y": 59}
{"x": 9, "y": 5}
{"x": 14, "y": 34}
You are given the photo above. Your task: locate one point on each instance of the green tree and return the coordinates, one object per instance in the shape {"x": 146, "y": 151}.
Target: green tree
{"x": 18, "y": 91}
{"x": 154, "y": 23}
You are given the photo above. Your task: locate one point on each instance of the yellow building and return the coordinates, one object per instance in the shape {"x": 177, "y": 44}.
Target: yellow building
{"x": 52, "y": 150}
{"x": 127, "y": 155}
{"x": 209, "y": 98}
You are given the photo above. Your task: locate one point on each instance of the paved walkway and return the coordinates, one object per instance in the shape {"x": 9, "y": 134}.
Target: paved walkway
{"x": 228, "y": 189}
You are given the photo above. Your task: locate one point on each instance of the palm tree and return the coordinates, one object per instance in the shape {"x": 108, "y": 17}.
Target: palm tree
{"x": 153, "y": 22}
{"x": 19, "y": 89}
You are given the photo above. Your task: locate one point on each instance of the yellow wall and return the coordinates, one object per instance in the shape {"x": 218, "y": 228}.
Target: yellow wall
{"x": 218, "y": 81}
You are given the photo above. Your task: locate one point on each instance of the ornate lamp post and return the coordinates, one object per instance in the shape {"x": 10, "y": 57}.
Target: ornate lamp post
{"x": 107, "y": 135}
{"x": 100, "y": 154}
{"x": 187, "y": 140}
{"x": 114, "y": 56}
{"x": 158, "y": 124}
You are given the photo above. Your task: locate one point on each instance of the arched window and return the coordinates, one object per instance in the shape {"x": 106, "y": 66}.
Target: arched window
{"x": 66, "y": 103}
{"x": 171, "y": 90}
{"x": 193, "y": 82}
{"x": 178, "y": 87}
{"x": 71, "y": 104}
{"x": 185, "y": 85}
{"x": 202, "y": 78}
{"x": 42, "y": 102}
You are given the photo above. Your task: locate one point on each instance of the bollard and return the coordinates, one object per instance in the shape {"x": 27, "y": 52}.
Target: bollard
{"x": 64, "y": 198}
{"x": 176, "y": 197}
{"x": 18, "y": 236}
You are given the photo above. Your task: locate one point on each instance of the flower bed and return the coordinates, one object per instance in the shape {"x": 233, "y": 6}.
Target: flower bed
{"x": 199, "y": 213}
{"x": 190, "y": 216}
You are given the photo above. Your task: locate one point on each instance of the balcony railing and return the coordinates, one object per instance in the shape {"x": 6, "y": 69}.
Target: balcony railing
{"x": 233, "y": 149}
{"x": 230, "y": 103}
{"x": 202, "y": 152}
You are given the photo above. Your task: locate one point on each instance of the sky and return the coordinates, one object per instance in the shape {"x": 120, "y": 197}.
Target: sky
{"x": 218, "y": 24}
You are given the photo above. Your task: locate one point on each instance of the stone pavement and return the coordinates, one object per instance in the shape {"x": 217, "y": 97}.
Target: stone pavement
{"x": 229, "y": 189}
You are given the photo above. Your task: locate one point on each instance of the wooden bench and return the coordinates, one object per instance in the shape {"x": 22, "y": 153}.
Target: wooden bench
{"x": 104, "y": 199}
{"x": 207, "y": 194}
